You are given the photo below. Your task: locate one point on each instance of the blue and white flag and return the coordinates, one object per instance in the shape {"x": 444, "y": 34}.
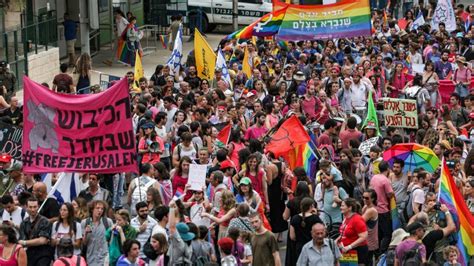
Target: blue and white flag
{"x": 66, "y": 188}
{"x": 175, "y": 60}
{"x": 419, "y": 21}
{"x": 220, "y": 63}
{"x": 444, "y": 12}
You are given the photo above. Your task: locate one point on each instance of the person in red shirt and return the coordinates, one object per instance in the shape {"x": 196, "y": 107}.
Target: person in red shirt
{"x": 329, "y": 129}
{"x": 353, "y": 231}
{"x": 350, "y": 133}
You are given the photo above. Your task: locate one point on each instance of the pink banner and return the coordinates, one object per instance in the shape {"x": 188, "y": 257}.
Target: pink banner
{"x": 78, "y": 133}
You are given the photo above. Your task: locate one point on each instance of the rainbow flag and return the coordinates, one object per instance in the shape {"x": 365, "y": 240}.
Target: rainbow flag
{"x": 340, "y": 20}
{"x": 269, "y": 24}
{"x": 396, "y": 223}
{"x": 349, "y": 259}
{"x": 305, "y": 156}
{"x": 450, "y": 195}
{"x": 164, "y": 39}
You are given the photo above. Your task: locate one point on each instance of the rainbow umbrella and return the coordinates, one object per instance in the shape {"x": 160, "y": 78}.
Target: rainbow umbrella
{"x": 414, "y": 155}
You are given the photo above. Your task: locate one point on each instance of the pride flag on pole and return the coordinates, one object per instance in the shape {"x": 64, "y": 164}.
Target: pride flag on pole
{"x": 450, "y": 195}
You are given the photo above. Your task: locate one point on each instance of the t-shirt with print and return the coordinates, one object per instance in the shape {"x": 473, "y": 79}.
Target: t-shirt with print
{"x": 63, "y": 82}
{"x": 66, "y": 232}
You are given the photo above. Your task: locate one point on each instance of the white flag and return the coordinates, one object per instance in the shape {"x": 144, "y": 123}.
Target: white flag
{"x": 175, "y": 60}
{"x": 419, "y": 21}
{"x": 220, "y": 63}
{"x": 444, "y": 12}
{"x": 66, "y": 188}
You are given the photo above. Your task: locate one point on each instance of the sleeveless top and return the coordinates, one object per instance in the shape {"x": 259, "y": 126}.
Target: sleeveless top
{"x": 372, "y": 238}
{"x": 234, "y": 156}
{"x": 180, "y": 182}
{"x": 13, "y": 260}
{"x": 257, "y": 183}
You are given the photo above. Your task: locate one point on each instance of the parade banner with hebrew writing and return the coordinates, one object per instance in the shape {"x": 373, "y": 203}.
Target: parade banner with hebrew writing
{"x": 400, "y": 113}
{"x": 78, "y": 133}
{"x": 341, "y": 20}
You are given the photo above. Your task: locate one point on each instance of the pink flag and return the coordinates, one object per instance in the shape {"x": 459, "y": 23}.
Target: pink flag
{"x": 78, "y": 133}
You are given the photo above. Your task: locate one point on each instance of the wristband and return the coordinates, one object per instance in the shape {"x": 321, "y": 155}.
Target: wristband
{"x": 349, "y": 247}
{"x": 447, "y": 212}
{"x": 24, "y": 243}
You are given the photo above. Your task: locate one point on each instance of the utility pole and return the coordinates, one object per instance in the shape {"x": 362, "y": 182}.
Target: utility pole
{"x": 235, "y": 14}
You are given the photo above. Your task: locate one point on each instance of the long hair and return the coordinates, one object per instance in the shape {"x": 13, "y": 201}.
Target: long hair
{"x": 162, "y": 170}
{"x": 306, "y": 204}
{"x": 180, "y": 166}
{"x": 228, "y": 200}
{"x": 163, "y": 243}
{"x": 81, "y": 212}
{"x": 70, "y": 217}
{"x": 155, "y": 196}
{"x": 83, "y": 65}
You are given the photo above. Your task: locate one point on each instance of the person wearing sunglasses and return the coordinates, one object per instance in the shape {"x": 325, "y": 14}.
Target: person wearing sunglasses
{"x": 371, "y": 217}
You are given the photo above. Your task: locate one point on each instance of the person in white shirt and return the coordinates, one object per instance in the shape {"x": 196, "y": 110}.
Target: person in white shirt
{"x": 161, "y": 215}
{"x": 11, "y": 214}
{"x": 144, "y": 225}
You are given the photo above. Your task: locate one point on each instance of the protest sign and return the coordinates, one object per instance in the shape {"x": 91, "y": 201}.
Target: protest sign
{"x": 78, "y": 133}
{"x": 365, "y": 146}
{"x": 10, "y": 140}
{"x": 400, "y": 113}
{"x": 197, "y": 176}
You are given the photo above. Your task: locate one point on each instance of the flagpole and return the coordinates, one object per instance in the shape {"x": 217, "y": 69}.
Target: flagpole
{"x": 52, "y": 191}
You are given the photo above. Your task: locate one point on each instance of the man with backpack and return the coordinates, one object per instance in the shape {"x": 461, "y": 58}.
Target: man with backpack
{"x": 440, "y": 229}
{"x": 321, "y": 250}
{"x": 411, "y": 252}
{"x": 416, "y": 195}
{"x": 139, "y": 186}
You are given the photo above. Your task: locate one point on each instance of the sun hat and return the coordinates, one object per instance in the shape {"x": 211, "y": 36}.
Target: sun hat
{"x": 183, "y": 230}
{"x": 398, "y": 236}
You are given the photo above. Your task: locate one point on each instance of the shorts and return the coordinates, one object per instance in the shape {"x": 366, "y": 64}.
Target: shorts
{"x": 70, "y": 46}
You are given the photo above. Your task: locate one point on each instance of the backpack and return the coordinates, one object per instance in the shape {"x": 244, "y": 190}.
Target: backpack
{"x": 387, "y": 259}
{"x": 412, "y": 257}
{"x": 106, "y": 224}
{"x": 408, "y": 209}
{"x": 23, "y": 213}
{"x": 196, "y": 148}
{"x": 139, "y": 192}
{"x": 66, "y": 263}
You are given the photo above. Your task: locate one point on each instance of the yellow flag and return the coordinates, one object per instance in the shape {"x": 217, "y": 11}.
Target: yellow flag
{"x": 205, "y": 57}
{"x": 138, "y": 73}
{"x": 246, "y": 67}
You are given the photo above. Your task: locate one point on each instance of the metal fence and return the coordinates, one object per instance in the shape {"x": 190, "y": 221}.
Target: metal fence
{"x": 27, "y": 40}
{"x": 149, "y": 41}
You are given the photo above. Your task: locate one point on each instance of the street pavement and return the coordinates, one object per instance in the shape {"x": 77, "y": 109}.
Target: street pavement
{"x": 149, "y": 62}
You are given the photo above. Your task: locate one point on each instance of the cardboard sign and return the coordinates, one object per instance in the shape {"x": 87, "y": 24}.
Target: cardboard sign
{"x": 365, "y": 146}
{"x": 400, "y": 113}
{"x": 197, "y": 176}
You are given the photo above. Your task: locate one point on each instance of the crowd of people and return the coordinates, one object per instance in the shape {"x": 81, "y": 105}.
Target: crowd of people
{"x": 253, "y": 200}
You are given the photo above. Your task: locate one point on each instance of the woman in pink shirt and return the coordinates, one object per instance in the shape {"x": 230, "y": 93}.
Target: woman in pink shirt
{"x": 398, "y": 81}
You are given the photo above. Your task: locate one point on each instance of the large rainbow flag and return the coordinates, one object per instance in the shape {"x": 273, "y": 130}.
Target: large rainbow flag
{"x": 268, "y": 25}
{"x": 453, "y": 199}
{"x": 311, "y": 22}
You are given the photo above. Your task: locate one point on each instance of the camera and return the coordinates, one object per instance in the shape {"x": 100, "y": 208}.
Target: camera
{"x": 450, "y": 164}
{"x": 437, "y": 206}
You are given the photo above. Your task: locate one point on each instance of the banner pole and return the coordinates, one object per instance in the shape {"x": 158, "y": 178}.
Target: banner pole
{"x": 52, "y": 190}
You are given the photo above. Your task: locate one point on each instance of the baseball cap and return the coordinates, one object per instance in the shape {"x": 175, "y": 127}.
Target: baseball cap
{"x": 245, "y": 181}
{"x": 226, "y": 164}
{"x": 5, "y": 158}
